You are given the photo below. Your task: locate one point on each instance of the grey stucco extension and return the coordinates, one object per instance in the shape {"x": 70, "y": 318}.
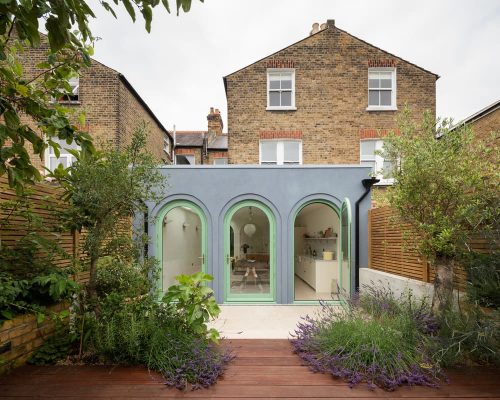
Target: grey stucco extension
{"x": 284, "y": 189}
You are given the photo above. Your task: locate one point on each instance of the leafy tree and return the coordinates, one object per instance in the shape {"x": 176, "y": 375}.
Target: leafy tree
{"x": 446, "y": 188}
{"x": 106, "y": 188}
{"x": 70, "y": 45}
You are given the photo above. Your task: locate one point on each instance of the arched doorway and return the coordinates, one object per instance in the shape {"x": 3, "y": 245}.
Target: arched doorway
{"x": 249, "y": 253}
{"x": 182, "y": 232}
{"x": 316, "y": 268}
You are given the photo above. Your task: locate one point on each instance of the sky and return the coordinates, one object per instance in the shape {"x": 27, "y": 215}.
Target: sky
{"x": 178, "y": 68}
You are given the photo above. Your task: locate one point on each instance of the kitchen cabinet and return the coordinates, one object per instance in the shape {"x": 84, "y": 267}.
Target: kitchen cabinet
{"x": 323, "y": 276}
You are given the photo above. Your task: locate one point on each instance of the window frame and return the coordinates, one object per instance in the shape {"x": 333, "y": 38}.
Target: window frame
{"x": 70, "y": 158}
{"x": 185, "y": 155}
{"x": 280, "y": 152}
{"x": 220, "y": 158}
{"x": 271, "y": 71}
{"x": 166, "y": 145}
{"x": 393, "y": 106}
{"x": 377, "y": 159}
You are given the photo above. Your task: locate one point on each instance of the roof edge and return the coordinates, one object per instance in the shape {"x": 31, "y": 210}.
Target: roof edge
{"x": 393, "y": 55}
{"x": 142, "y": 102}
{"x": 224, "y": 78}
{"x": 481, "y": 113}
{"x": 272, "y": 54}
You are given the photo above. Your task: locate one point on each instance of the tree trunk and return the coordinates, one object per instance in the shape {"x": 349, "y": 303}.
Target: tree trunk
{"x": 92, "y": 278}
{"x": 443, "y": 284}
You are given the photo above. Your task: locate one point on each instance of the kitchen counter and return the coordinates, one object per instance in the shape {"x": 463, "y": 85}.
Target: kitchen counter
{"x": 321, "y": 275}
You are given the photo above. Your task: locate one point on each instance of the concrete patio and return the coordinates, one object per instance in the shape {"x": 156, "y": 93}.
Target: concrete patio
{"x": 261, "y": 321}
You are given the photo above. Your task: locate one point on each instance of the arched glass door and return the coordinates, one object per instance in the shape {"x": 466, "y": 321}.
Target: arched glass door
{"x": 182, "y": 233}
{"x": 345, "y": 239}
{"x": 249, "y": 253}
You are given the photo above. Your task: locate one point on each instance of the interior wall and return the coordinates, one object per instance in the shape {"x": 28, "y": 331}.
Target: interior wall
{"x": 259, "y": 241}
{"x": 182, "y": 241}
{"x": 319, "y": 219}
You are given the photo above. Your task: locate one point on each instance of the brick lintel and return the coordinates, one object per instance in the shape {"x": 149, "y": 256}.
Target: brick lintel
{"x": 185, "y": 151}
{"x": 373, "y": 133}
{"x": 281, "y": 135}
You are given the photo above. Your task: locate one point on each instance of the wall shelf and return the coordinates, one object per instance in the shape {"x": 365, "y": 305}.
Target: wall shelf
{"x": 328, "y": 238}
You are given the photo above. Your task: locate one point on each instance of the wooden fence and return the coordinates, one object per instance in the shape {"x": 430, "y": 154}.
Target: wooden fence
{"x": 391, "y": 248}
{"x": 43, "y": 201}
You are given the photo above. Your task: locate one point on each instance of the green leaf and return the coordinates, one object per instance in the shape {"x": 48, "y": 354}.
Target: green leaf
{"x": 58, "y": 36}
{"x": 129, "y": 8}
{"x": 7, "y": 314}
{"x": 40, "y": 317}
{"x": 148, "y": 16}
{"x": 166, "y": 5}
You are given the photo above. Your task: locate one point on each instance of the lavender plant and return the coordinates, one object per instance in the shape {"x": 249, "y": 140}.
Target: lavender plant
{"x": 377, "y": 338}
{"x": 152, "y": 334}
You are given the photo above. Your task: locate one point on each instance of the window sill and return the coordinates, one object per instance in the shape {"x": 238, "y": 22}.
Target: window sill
{"x": 68, "y": 102}
{"x": 375, "y": 108}
{"x": 269, "y": 108}
{"x": 385, "y": 182}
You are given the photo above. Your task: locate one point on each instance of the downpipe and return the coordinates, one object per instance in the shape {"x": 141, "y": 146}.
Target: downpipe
{"x": 367, "y": 184}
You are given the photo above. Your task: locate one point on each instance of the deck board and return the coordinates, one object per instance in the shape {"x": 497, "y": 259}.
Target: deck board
{"x": 263, "y": 369}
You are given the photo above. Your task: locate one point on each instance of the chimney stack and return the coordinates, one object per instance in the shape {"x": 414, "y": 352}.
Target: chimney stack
{"x": 215, "y": 124}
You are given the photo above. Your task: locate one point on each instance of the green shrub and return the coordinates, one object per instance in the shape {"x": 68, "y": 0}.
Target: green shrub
{"x": 150, "y": 333}
{"x": 483, "y": 279}
{"x": 54, "y": 349}
{"x": 467, "y": 334}
{"x": 194, "y": 303}
{"x": 33, "y": 294}
{"x": 130, "y": 279}
{"x": 380, "y": 339}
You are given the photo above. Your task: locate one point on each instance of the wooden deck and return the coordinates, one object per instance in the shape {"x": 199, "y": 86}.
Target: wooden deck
{"x": 263, "y": 369}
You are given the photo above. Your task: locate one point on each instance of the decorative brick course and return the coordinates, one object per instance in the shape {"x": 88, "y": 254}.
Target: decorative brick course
{"x": 281, "y": 135}
{"x": 280, "y": 64}
{"x": 376, "y": 133}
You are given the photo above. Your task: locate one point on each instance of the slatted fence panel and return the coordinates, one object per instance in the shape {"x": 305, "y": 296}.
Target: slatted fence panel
{"x": 44, "y": 201}
{"x": 392, "y": 248}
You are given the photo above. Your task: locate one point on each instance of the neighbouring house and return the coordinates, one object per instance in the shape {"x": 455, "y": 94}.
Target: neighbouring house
{"x": 113, "y": 109}
{"x": 202, "y": 147}
{"x": 485, "y": 122}
{"x": 286, "y": 220}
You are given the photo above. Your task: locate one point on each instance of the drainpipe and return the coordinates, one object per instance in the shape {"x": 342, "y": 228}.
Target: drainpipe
{"x": 173, "y": 146}
{"x": 367, "y": 184}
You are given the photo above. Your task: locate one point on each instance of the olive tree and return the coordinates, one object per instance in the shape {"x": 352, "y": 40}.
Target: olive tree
{"x": 70, "y": 45}
{"x": 105, "y": 189}
{"x": 446, "y": 188}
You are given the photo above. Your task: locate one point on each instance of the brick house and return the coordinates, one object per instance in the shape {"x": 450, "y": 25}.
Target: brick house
{"x": 113, "y": 109}
{"x": 485, "y": 122}
{"x": 327, "y": 99}
{"x": 287, "y": 220}
{"x": 202, "y": 147}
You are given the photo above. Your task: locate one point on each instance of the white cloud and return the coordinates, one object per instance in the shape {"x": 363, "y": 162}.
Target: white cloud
{"x": 178, "y": 68}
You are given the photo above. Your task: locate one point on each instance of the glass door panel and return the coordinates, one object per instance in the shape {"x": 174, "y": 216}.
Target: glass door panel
{"x": 345, "y": 237}
{"x": 183, "y": 242}
{"x": 249, "y": 248}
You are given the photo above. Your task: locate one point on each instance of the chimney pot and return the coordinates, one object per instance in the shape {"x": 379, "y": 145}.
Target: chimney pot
{"x": 330, "y": 23}
{"x": 322, "y": 26}
{"x": 211, "y": 110}
{"x": 315, "y": 28}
